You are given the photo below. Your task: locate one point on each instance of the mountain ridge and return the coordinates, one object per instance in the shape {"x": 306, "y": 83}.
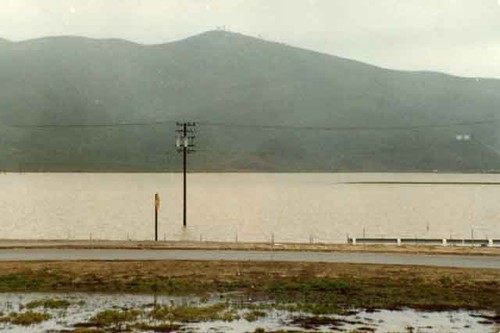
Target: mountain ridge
{"x": 219, "y": 33}
{"x": 230, "y": 79}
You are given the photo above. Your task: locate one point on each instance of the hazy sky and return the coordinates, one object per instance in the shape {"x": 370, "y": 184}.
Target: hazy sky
{"x": 461, "y": 37}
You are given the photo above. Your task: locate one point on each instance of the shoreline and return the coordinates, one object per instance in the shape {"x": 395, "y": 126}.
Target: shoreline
{"x": 179, "y": 171}
{"x": 244, "y": 246}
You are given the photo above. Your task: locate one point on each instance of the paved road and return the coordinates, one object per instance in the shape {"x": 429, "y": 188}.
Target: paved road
{"x": 366, "y": 258}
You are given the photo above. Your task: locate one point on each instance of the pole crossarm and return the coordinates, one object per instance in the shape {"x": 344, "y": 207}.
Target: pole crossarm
{"x": 184, "y": 144}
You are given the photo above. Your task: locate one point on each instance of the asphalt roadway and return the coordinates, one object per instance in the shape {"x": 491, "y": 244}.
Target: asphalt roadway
{"x": 217, "y": 255}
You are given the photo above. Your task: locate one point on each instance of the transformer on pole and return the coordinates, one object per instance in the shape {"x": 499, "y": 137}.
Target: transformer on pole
{"x": 184, "y": 144}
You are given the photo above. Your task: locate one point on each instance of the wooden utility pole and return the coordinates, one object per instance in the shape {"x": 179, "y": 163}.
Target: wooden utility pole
{"x": 157, "y": 208}
{"x": 184, "y": 144}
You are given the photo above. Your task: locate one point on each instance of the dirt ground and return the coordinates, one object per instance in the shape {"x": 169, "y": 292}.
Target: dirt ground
{"x": 358, "y": 285}
{"x": 170, "y": 245}
{"x": 221, "y": 270}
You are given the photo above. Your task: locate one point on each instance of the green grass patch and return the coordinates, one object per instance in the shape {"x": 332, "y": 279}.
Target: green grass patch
{"x": 323, "y": 285}
{"x": 184, "y": 313}
{"x": 112, "y": 318}
{"x": 400, "y": 289}
{"x": 25, "y": 282}
{"x": 163, "y": 285}
{"x": 25, "y": 318}
{"x": 48, "y": 304}
{"x": 164, "y": 328}
{"x": 254, "y": 315}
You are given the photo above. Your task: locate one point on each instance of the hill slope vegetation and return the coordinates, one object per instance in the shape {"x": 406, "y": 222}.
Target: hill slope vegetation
{"x": 260, "y": 106}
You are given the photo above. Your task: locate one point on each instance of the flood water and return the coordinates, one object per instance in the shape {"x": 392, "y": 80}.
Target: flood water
{"x": 258, "y": 207}
{"x": 82, "y": 307}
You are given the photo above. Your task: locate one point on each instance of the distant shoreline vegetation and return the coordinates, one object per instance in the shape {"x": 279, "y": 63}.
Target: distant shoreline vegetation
{"x": 444, "y": 172}
{"x": 197, "y": 171}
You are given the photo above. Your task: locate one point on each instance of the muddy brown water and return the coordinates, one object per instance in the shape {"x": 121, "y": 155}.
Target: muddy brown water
{"x": 254, "y": 207}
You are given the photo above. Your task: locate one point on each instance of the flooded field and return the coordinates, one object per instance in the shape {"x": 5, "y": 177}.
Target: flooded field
{"x": 253, "y": 207}
{"x": 146, "y": 313}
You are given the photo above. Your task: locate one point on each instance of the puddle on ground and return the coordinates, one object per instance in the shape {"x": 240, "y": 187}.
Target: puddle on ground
{"x": 239, "y": 317}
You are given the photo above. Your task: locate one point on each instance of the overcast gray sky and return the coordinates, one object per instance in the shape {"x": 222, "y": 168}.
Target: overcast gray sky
{"x": 460, "y": 37}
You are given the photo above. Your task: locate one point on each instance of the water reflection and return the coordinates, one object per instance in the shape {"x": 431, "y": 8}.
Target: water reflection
{"x": 249, "y": 207}
{"x": 244, "y": 316}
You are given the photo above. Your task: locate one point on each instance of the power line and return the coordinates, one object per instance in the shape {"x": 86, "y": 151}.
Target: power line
{"x": 388, "y": 150}
{"x": 267, "y": 127}
{"x": 490, "y": 147}
{"x": 152, "y": 123}
{"x": 350, "y": 128}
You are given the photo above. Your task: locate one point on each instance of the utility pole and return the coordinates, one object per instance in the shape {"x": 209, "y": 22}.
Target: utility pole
{"x": 157, "y": 208}
{"x": 184, "y": 144}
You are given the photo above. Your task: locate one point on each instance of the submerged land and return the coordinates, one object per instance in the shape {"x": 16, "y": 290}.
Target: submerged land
{"x": 307, "y": 297}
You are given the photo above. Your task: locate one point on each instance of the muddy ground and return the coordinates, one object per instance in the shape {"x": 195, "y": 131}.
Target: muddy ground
{"x": 360, "y": 285}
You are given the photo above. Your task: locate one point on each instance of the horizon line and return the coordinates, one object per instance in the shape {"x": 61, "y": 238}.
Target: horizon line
{"x": 217, "y": 30}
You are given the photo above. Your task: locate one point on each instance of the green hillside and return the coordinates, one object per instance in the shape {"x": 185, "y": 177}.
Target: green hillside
{"x": 260, "y": 106}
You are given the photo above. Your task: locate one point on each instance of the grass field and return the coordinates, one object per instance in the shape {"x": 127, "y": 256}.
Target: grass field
{"x": 312, "y": 284}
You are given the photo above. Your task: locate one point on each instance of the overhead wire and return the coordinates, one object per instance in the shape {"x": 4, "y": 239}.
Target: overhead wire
{"x": 131, "y": 124}
{"x": 348, "y": 128}
{"x": 227, "y": 125}
{"x": 264, "y": 127}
